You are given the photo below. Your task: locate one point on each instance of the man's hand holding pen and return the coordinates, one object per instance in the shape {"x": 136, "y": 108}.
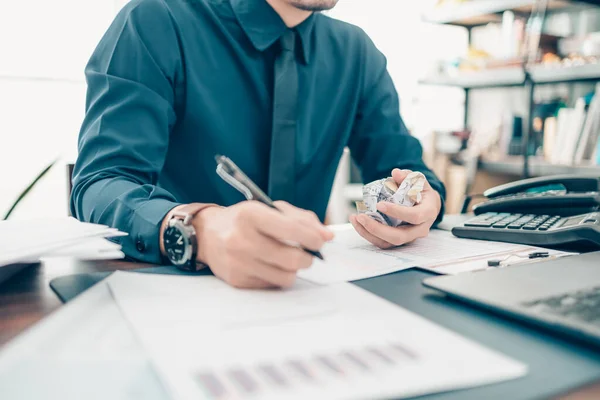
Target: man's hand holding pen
{"x": 250, "y": 245}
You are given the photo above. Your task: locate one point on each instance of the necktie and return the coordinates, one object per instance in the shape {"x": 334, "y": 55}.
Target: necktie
{"x": 282, "y": 167}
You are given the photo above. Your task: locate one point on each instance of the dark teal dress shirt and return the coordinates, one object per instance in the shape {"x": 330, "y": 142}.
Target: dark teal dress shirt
{"x": 174, "y": 82}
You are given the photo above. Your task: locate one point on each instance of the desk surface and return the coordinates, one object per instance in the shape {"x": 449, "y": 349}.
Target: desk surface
{"x": 26, "y": 298}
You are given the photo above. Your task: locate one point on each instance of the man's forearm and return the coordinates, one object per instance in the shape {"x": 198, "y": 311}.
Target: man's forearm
{"x": 132, "y": 208}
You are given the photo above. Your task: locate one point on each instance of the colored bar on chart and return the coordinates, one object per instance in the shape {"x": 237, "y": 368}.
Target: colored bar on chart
{"x": 355, "y": 360}
{"x": 211, "y": 385}
{"x": 330, "y": 365}
{"x": 243, "y": 380}
{"x": 274, "y": 375}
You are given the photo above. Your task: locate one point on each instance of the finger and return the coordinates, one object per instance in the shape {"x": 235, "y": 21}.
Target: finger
{"x": 271, "y": 274}
{"x": 415, "y": 215}
{"x": 306, "y": 217}
{"x": 253, "y": 282}
{"x": 279, "y": 226}
{"x": 400, "y": 174}
{"x": 382, "y": 244}
{"x": 244, "y": 281}
{"x": 280, "y": 255}
{"x": 396, "y": 236}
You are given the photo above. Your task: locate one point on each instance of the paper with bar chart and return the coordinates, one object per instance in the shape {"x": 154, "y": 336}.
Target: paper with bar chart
{"x": 207, "y": 340}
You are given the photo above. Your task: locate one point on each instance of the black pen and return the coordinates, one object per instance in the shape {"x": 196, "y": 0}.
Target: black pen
{"x": 233, "y": 175}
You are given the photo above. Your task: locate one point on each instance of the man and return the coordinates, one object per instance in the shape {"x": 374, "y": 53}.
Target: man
{"x": 273, "y": 85}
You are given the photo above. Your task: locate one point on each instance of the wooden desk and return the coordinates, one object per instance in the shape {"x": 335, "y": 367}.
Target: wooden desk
{"x": 27, "y": 298}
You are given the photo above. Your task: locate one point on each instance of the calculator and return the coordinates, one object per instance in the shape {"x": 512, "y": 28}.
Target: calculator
{"x": 535, "y": 230}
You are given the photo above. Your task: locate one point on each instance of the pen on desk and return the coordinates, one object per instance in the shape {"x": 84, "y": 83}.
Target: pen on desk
{"x": 233, "y": 175}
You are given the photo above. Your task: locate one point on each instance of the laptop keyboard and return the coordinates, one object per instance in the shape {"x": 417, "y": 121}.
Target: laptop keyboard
{"x": 583, "y": 306}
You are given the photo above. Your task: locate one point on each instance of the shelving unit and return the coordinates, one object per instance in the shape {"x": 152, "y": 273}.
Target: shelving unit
{"x": 555, "y": 74}
{"x": 537, "y": 167}
{"x": 501, "y": 77}
{"x": 515, "y": 76}
{"x": 481, "y": 12}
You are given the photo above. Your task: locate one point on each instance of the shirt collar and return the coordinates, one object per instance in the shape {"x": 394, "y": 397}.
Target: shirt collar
{"x": 264, "y": 26}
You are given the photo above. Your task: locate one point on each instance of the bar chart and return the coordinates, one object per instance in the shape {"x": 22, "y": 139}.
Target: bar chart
{"x": 290, "y": 375}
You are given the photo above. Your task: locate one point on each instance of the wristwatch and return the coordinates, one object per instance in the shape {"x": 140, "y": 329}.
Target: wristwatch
{"x": 179, "y": 238}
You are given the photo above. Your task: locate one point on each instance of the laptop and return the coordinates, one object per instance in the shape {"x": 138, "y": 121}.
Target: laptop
{"x": 561, "y": 294}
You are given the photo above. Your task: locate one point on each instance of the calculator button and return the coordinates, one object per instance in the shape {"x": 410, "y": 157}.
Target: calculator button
{"x": 543, "y": 228}
{"x": 500, "y": 225}
{"x": 518, "y": 223}
{"x": 488, "y": 215}
{"x": 479, "y": 224}
{"x": 529, "y": 227}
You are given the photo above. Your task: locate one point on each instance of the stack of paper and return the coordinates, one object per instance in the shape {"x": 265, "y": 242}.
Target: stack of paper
{"x": 31, "y": 240}
{"x": 311, "y": 341}
{"x": 307, "y": 342}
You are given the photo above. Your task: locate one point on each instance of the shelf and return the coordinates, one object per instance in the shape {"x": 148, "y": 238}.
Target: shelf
{"x": 504, "y": 77}
{"x": 500, "y": 77}
{"x": 557, "y": 74}
{"x": 537, "y": 167}
{"x": 481, "y": 12}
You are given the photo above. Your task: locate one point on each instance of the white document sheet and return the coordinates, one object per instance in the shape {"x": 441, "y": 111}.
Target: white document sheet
{"x": 349, "y": 257}
{"x": 517, "y": 256}
{"x": 89, "y": 249}
{"x": 29, "y": 240}
{"x": 210, "y": 341}
{"x": 84, "y": 350}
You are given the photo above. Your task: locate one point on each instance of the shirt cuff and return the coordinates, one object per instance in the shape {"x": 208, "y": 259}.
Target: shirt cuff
{"x": 144, "y": 244}
{"x": 441, "y": 192}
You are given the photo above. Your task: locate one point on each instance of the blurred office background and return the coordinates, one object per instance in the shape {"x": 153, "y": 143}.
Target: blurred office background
{"x": 483, "y": 117}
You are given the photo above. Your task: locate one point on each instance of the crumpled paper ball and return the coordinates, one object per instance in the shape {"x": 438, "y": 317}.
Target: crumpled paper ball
{"x": 407, "y": 194}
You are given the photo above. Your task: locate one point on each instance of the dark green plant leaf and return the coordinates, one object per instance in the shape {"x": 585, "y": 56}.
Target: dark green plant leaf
{"x": 28, "y": 188}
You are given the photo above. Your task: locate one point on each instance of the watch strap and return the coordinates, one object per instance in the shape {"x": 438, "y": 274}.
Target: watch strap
{"x": 189, "y": 211}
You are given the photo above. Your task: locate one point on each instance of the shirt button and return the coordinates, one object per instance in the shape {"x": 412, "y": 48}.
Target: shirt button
{"x": 140, "y": 246}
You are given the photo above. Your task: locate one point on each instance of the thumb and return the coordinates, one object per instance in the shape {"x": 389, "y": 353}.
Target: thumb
{"x": 400, "y": 174}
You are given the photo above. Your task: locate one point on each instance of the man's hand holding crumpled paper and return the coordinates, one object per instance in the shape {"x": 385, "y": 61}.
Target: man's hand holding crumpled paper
{"x": 397, "y": 210}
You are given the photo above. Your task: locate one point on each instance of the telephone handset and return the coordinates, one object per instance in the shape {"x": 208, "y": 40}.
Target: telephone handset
{"x": 562, "y": 195}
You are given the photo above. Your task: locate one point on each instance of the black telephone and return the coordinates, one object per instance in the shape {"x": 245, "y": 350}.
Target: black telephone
{"x": 561, "y": 210}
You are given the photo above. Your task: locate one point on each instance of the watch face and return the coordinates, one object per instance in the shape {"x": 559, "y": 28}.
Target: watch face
{"x": 176, "y": 245}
